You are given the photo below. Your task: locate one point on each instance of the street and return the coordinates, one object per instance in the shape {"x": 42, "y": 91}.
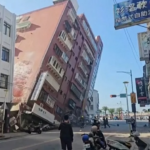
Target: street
{"x": 50, "y": 140}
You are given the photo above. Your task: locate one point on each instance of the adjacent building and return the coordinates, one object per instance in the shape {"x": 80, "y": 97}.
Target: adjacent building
{"x": 94, "y": 107}
{"x": 54, "y": 62}
{"x": 7, "y": 53}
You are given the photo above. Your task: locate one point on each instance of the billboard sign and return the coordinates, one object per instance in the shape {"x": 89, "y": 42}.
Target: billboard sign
{"x": 144, "y": 45}
{"x": 131, "y": 12}
{"x": 141, "y": 92}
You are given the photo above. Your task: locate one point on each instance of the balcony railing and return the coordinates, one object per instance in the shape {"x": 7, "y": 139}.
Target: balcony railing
{"x": 72, "y": 15}
{"x": 80, "y": 80}
{"x": 23, "y": 25}
{"x": 84, "y": 70}
{"x": 63, "y": 38}
{"x": 87, "y": 48}
{"x": 55, "y": 67}
{"x": 85, "y": 57}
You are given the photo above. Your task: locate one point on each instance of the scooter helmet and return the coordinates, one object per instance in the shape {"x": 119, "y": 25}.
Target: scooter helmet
{"x": 94, "y": 128}
{"x": 85, "y": 138}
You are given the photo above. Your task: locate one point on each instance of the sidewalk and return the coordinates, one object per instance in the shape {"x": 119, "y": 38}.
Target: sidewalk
{"x": 12, "y": 135}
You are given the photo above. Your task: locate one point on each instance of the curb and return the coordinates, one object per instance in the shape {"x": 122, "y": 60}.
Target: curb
{"x": 9, "y": 137}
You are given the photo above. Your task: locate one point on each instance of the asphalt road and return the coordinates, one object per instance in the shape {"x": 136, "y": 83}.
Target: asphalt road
{"x": 50, "y": 140}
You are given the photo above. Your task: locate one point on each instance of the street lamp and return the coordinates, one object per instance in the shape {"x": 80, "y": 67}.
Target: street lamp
{"x": 133, "y": 105}
{"x": 126, "y": 84}
{"x": 130, "y": 73}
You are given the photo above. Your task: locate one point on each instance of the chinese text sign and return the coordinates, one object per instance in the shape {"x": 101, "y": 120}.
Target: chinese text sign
{"x": 140, "y": 88}
{"x": 144, "y": 45}
{"x": 130, "y": 13}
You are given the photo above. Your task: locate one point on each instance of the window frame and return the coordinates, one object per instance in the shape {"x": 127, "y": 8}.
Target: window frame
{"x": 6, "y": 82}
{"x": 7, "y": 51}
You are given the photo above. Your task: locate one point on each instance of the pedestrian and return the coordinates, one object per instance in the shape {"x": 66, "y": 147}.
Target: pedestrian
{"x": 149, "y": 122}
{"x": 104, "y": 122}
{"x": 133, "y": 123}
{"x": 66, "y": 134}
{"x": 107, "y": 123}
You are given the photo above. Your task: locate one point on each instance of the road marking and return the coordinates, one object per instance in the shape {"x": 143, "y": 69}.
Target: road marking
{"x": 25, "y": 147}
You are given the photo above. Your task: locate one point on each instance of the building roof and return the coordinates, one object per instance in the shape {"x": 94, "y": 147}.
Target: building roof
{"x": 31, "y": 47}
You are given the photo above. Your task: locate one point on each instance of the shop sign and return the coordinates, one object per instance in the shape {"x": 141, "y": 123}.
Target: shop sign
{"x": 131, "y": 12}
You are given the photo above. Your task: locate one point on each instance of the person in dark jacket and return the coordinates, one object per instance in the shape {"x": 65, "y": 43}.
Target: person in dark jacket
{"x": 104, "y": 122}
{"x": 66, "y": 134}
{"x": 107, "y": 123}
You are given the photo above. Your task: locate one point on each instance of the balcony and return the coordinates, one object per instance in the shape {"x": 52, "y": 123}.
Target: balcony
{"x": 51, "y": 80}
{"x": 87, "y": 48}
{"x": 23, "y": 25}
{"x": 80, "y": 80}
{"x": 76, "y": 92}
{"x": 63, "y": 38}
{"x": 85, "y": 57}
{"x": 55, "y": 67}
{"x": 72, "y": 34}
{"x": 84, "y": 70}
{"x": 72, "y": 15}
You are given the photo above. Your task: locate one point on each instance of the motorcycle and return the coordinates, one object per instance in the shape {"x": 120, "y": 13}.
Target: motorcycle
{"x": 122, "y": 145}
{"x": 33, "y": 128}
{"x": 97, "y": 142}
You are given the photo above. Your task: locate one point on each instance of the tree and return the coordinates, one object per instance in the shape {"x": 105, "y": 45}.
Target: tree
{"x": 119, "y": 111}
{"x": 111, "y": 111}
{"x": 105, "y": 108}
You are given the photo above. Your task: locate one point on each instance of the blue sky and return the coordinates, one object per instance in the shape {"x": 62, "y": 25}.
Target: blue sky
{"x": 117, "y": 53}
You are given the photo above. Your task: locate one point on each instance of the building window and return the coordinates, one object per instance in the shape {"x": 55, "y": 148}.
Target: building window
{"x": 5, "y": 54}
{"x": 54, "y": 63}
{"x": 7, "y": 29}
{"x": 43, "y": 95}
{"x": 57, "y": 50}
{"x": 4, "y": 81}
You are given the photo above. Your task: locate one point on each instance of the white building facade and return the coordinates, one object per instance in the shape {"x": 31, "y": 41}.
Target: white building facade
{"x": 7, "y": 53}
{"x": 94, "y": 107}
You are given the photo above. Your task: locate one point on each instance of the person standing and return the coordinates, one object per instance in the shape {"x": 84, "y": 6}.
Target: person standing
{"x": 149, "y": 122}
{"x": 66, "y": 134}
{"x": 104, "y": 121}
{"x": 107, "y": 123}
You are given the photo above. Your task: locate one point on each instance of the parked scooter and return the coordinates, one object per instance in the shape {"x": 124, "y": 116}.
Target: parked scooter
{"x": 140, "y": 144}
{"x": 34, "y": 128}
{"x": 97, "y": 142}
{"x": 122, "y": 145}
